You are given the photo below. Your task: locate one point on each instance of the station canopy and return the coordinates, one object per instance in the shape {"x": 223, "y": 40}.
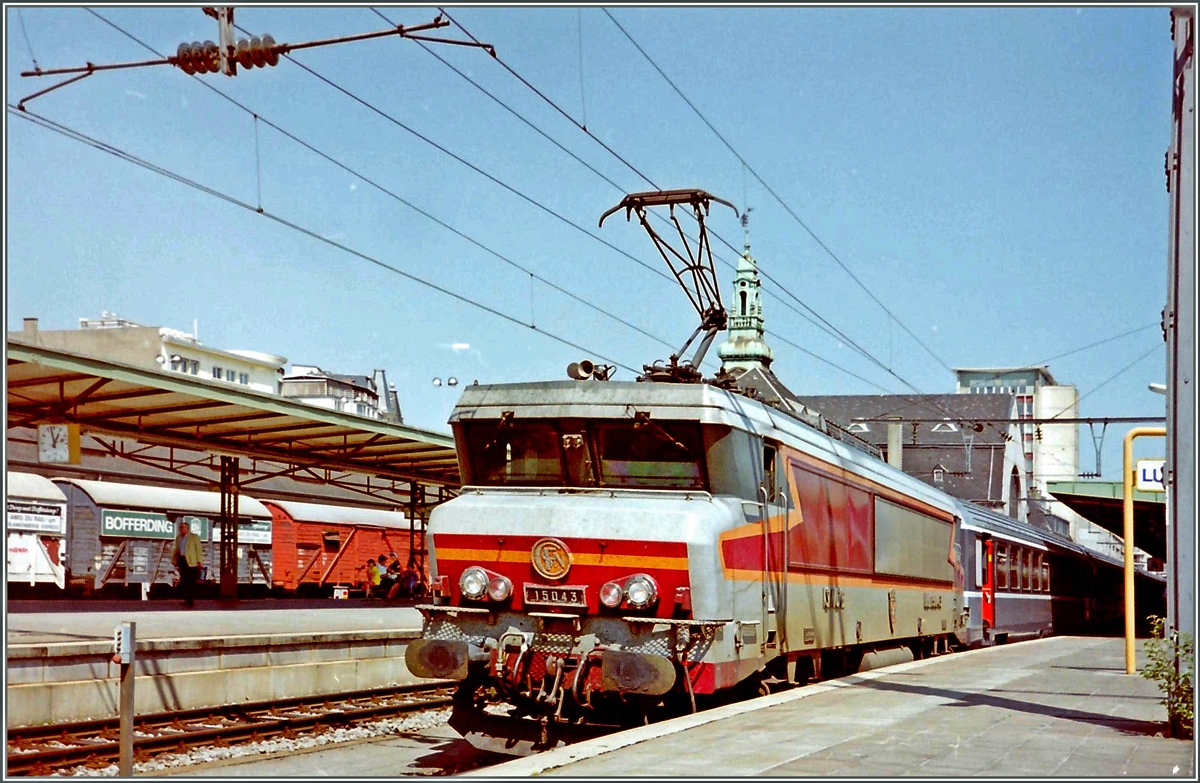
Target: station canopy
{"x": 1102, "y": 503}
{"x": 154, "y": 407}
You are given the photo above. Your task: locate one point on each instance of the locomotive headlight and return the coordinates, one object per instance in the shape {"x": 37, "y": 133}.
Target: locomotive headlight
{"x": 612, "y": 594}
{"x": 640, "y": 591}
{"x": 499, "y": 588}
{"x": 473, "y": 583}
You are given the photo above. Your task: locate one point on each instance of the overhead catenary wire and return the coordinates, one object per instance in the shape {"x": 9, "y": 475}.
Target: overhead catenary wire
{"x": 25, "y": 33}
{"x": 444, "y": 150}
{"x": 386, "y": 191}
{"x": 120, "y": 154}
{"x": 1108, "y": 380}
{"x": 1093, "y": 345}
{"x": 821, "y": 322}
{"x": 775, "y": 195}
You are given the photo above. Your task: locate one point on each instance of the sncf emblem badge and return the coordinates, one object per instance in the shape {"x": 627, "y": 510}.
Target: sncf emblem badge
{"x": 550, "y": 558}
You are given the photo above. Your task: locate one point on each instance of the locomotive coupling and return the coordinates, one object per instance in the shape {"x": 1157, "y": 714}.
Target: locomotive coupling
{"x": 441, "y": 659}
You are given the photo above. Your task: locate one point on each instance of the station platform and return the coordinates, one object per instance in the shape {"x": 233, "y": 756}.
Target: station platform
{"x": 59, "y": 663}
{"x": 1061, "y": 706}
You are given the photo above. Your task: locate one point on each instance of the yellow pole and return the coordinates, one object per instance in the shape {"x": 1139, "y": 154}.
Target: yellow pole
{"x": 1127, "y": 502}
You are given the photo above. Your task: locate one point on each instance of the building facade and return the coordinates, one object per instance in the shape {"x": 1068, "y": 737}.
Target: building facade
{"x": 1050, "y": 452}
{"x": 370, "y": 396}
{"x": 158, "y": 348}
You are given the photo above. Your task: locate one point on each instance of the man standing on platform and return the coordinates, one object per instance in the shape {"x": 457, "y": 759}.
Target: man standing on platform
{"x": 187, "y": 556}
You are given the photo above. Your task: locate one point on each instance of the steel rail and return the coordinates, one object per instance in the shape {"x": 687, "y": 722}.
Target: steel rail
{"x": 96, "y": 740}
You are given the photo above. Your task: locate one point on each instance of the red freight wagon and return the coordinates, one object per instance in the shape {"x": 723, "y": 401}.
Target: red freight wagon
{"x": 327, "y": 546}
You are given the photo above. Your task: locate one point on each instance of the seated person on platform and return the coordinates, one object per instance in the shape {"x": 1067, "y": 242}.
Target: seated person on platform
{"x": 370, "y": 584}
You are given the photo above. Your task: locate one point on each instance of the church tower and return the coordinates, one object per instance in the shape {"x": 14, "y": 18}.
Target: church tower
{"x": 745, "y": 349}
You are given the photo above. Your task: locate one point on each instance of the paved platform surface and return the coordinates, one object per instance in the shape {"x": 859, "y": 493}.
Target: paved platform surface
{"x": 209, "y": 619}
{"x": 1055, "y": 707}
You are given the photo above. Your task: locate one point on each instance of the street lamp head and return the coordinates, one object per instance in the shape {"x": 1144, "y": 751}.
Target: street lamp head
{"x": 452, "y": 381}
{"x": 437, "y": 381}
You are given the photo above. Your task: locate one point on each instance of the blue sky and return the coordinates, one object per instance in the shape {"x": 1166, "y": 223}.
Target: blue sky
{"x": 994, "y": 176}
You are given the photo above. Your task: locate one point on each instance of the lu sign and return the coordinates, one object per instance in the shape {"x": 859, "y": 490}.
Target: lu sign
{"x": 1149, "y": 475}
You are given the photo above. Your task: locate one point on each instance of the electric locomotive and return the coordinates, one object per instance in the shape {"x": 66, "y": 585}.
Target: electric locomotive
{"x": 619, "y": 549}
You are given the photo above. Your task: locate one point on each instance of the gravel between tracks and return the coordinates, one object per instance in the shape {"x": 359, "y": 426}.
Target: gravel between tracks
{"x": 169, "y": 762}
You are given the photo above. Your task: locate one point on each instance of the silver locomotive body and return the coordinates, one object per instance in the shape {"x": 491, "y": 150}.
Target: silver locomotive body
{"x": 620, "y": 549}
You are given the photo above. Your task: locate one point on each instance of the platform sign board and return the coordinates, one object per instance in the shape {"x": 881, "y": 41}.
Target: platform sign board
{"x": 135, "y": 524}
{"x": 1148, "y": 475}
{"x": 137, "y": 562}
{"x": 250, "y": 531}
{"x": 201, "y": 526}
{"x": 47, "y": 518}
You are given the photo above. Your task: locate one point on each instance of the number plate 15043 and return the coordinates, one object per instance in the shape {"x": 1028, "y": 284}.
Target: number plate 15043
{"x": 563, "y": 595}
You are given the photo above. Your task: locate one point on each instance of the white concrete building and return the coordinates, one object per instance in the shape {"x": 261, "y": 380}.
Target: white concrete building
{"x": 1051, "y": 451}
{"x": 158, "y": 347}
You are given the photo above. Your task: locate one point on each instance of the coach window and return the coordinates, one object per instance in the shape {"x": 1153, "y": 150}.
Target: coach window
{"x": 1014, "y": 568}
{"x": 1026, "y": 556}
{"x": 1045, "y": 574}
{"x": 1037, "y": 572}
{"x": 1001, "y": 566}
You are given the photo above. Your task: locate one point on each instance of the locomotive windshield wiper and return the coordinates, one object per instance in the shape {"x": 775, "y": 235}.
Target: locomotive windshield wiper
{"x": 641, "y": 419}
{"x": 506, "y": 419}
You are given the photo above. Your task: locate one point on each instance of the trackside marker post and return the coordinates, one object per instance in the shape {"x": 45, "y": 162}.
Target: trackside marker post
{"x": 124, "y": 643}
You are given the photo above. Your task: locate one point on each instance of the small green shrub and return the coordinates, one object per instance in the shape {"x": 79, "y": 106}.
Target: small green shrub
{"x": 1161, "y": 654}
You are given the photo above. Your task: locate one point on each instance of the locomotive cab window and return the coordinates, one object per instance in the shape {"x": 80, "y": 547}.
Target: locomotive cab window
{"x": 525, "y": 453}
{"x": 574, "y": 453}
{"x": 666, "y": 454}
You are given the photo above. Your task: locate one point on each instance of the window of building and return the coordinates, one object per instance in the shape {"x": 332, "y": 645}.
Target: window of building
{"x": 176, "y": 361}
{"x": 218, "y": 373}
{"x": 858, "y": 426}
{"x": 244, "y": 378}
{"x": 1001, "y": 566}
{"x": 939, "y": 476}
{"x": 230, "y": 375}
{"x": 195, "y": 367}
{"x": 945, "y": 426}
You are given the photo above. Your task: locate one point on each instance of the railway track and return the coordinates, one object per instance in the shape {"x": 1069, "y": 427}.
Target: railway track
{"x": 40, "y": 750}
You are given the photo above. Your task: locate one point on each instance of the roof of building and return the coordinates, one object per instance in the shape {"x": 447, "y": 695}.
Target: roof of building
{"x": 343, "y": 515}
{"x": 963, "y": 448}
{"x": 111, "y": 494}
{"x": 1043, "y": 369}
{"x": 30, "y": 486}
{"x": 959, "y": 409}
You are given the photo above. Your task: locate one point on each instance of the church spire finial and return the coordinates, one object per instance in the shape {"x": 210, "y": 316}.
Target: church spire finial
{"x": 746, "y": 226}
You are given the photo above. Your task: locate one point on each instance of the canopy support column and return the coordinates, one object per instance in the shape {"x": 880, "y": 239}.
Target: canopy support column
{"x": 229, "y": 527}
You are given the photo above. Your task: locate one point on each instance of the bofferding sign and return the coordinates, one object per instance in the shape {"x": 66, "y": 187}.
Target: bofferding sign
{"x": 50, "y": 518}
{"x": 135, "y": 524}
